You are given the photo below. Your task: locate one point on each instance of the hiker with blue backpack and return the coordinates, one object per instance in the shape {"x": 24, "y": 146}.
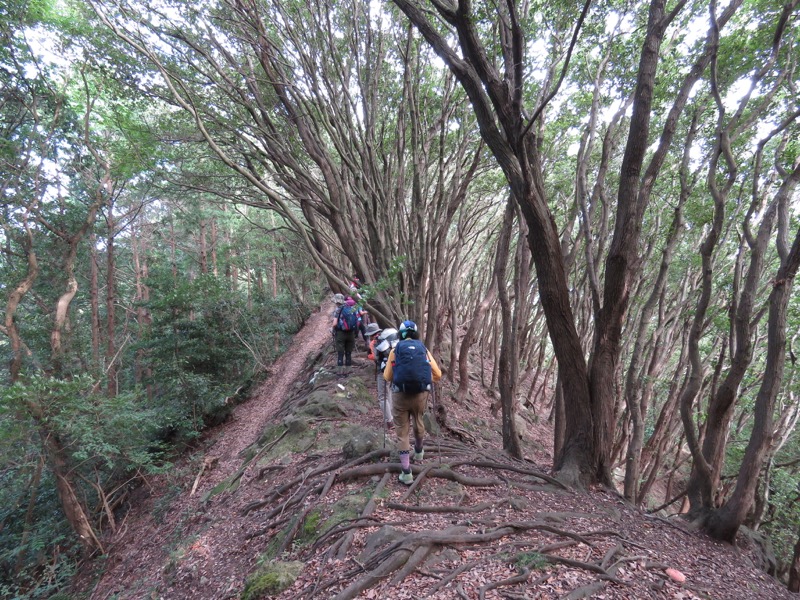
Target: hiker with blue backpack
{"x": 412, "y": 372}
{"x": 346, "y": 323}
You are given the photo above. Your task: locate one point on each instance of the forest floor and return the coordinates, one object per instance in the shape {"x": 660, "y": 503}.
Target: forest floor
{"x": 296, "y": 481}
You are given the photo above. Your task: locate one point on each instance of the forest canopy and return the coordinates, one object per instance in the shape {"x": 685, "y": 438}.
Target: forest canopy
{"x": 592, "y": 207}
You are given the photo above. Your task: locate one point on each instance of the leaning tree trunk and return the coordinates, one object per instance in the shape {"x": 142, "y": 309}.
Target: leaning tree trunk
{"x": 497, "y": 98}
{"x": 708, "y": 459}
{"x": 74, "y": 511}
{"x": 58, "y": 460}
{"x": 725, "y": 523}
{"x": 65, "y": 300}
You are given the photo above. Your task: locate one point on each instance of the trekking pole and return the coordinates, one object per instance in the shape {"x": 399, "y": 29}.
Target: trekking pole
{"x": 383, "y": 418}
{"x": 436, "y": 420}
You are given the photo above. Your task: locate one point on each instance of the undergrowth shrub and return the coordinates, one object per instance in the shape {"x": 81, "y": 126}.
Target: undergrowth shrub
{"x": 203, "y": 342}
{"x": 107, "y": 445}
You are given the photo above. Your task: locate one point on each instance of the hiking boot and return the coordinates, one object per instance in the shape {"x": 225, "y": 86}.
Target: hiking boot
{"x": 406, "y": 478}
{"x": 418, "y": 456}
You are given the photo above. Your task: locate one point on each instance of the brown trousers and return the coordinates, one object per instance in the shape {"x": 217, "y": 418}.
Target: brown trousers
{"x": 408, "y": 410}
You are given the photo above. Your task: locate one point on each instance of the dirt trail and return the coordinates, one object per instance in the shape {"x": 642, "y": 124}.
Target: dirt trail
{"x": 250, "y": 418}
{"x": 170, "y": 540}
{"x": 173, "y": 546}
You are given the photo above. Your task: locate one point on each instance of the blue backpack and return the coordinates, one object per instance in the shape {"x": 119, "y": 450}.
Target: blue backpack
{"x": 411, "y": 370}
{"x": 348, "y": 319}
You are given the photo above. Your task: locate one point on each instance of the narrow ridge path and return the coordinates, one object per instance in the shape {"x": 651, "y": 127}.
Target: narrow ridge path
{"x": 169, "y": 537}
{"x": 250, "y": 418}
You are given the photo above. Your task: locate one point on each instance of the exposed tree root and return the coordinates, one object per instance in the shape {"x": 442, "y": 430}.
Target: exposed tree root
{"x": 488, "y": 524}
{"x": 446, "y": 509}
{"x": 517, "y": 579}
{"x": 369, "y": 470}
{"x": 513, "y": 468}
{"x": 345, "y": 542}
{"x": 453, "y": 575}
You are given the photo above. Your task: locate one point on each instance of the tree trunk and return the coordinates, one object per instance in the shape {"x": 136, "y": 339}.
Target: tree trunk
{"x": 496, "y": 98}
{"x": 14, "y": 298}
{"x": 64, "y": 301}
{"x": 558, "y": 418}
{"x": 725, "y": 523}
{"x": 203, "y": 243}
{"x": 794, "y": 570}
{"x": 214, "y": 244}
{"x": 508, "y": 344}
{"x": 708, "y": 459}
{"x": 111, "y": 300}
{"x": 635, "y": 398}
{"x": 139, "y": 255}
{"x": 74, "y": 511}
{"x": 469, "y": 338}
{"x": 94, "y": 301}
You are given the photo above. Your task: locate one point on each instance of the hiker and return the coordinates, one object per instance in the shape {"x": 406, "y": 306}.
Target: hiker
{"x": 363, "y": 323}
{"x": 370, "y": 331}
{"x": 344, "y": 328}
{"x": 380, "y": 346}
{"x": 412, "y": 371}
{"x": 338, "y": 302}
{"x": 354, "y": 286}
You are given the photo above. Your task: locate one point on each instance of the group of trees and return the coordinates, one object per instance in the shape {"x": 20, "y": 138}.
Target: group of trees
{"x": 133, "y": 309}
{"x": 597, "y": 203}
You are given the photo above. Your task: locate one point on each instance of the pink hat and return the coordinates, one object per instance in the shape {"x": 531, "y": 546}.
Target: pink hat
{"x": 350, "y": 301}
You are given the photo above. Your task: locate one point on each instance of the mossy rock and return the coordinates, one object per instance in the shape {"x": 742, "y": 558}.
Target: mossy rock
{"x": 268, "y": 435}
{"x": 361, "y": 441}
{"x": 295, "y": 425}
{"x": 271, "y": 579}
{"x": 446, "y": 492}
{"x": 379, "y": 540}
{"x": 346, "y": 508}
{"x": 320, "y": 403}
{"x": 309, "y": 532}
{"x": 431, "y": 426}
{"x": 339, "y": 434}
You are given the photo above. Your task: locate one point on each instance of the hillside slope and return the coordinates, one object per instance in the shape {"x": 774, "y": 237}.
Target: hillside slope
{"x": 299, "y": 491}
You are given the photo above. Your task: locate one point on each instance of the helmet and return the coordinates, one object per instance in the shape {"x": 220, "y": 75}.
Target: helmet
{"x": 372, "y": 329}
{"x": 338, "y": 298}
{"x": 406, "y": 327}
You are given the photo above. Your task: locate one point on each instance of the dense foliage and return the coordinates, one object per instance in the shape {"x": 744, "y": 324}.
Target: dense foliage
{"x": 180, "y": 185}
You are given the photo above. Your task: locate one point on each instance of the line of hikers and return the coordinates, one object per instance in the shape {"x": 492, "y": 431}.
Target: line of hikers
{"x": 405, "y": 372}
